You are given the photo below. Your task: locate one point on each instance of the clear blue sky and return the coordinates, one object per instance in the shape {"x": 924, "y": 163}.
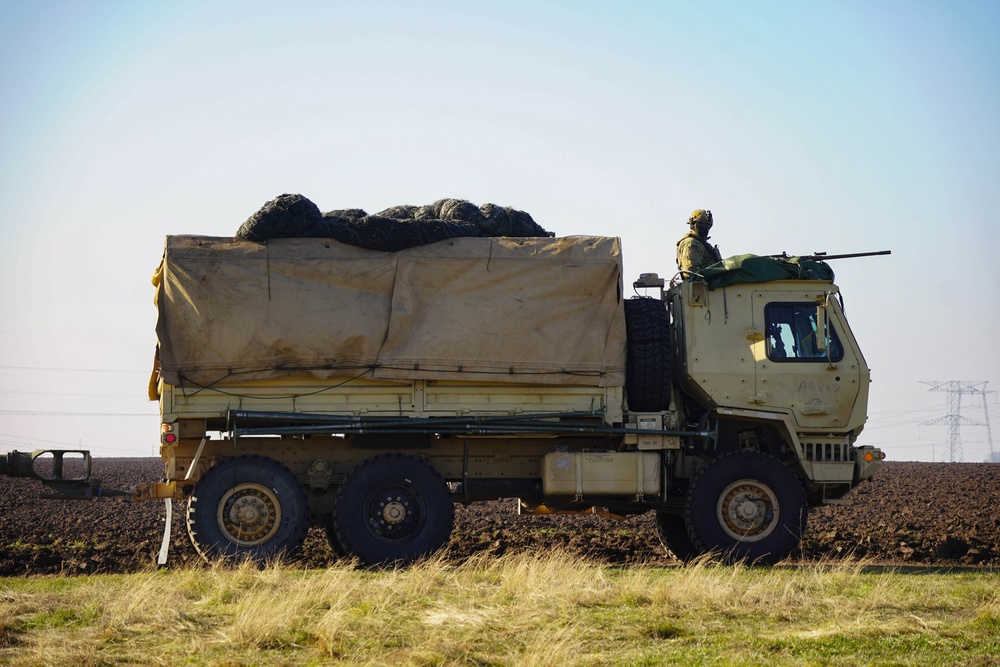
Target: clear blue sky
{"x": 803, "y": 126}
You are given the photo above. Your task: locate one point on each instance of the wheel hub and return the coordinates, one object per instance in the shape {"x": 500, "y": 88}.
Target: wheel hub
{"x": 394, "y": 512}
{"x": 249, "y": 514}
{"x": 748, "y": 510}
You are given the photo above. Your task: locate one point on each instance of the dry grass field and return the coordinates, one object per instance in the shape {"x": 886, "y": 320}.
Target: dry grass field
{"x": 551, "y": 609}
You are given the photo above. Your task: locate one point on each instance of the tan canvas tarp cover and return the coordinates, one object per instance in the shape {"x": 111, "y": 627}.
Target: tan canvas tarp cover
{"x": 539, "y": 310}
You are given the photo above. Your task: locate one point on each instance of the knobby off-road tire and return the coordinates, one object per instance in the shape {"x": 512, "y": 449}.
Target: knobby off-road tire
{"x": 671, "y": 529}
{"x": 335, "y": 546}
{"x": 647, "y": 370}
{"x": 747, "y": 506}
{"x": 248, "y": 507}
{"x": 393, "y": 509}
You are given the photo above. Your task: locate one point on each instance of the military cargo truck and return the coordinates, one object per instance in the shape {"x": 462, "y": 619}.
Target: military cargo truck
{"x": 307, "y": 382}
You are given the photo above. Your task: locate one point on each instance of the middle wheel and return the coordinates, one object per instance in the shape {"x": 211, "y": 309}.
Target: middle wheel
{"x": 671, "y": 529}
{"x": 393, "y": 509}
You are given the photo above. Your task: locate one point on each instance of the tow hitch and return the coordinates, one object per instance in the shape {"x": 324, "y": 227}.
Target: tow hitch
{"x": 69, "y": 478}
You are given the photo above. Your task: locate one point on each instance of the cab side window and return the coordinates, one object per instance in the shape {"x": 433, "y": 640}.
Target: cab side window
{"x": 791, "y": 334}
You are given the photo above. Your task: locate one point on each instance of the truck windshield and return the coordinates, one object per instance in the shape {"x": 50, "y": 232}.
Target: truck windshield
{"x": 791, "y": 334}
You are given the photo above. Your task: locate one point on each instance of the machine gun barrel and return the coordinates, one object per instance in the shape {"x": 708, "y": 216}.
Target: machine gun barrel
{"x": 822, "y": 256}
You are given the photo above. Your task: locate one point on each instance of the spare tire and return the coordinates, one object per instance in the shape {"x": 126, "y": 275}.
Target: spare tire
{"x": 648, "y": 364}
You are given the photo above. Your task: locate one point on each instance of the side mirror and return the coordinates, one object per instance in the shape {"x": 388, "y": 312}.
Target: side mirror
{"x": 824, "y": 340}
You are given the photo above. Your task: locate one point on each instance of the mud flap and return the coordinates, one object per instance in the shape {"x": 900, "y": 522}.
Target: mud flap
{"x": 161, "y": 559}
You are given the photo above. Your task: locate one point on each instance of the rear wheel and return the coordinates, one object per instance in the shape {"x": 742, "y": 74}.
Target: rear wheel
{"x": 747, "y": 506}
{"x": 393, "y": 509}
{"x": 248, "y": 507}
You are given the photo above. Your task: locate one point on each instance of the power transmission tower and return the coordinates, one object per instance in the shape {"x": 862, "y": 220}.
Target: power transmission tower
{"x": 954, "y": 419}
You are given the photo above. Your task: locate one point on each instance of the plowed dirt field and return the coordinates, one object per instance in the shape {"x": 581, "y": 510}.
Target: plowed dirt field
{"x": 910, "y": 513}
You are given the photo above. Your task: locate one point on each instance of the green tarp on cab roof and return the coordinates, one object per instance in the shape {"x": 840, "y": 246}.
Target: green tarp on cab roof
{"x": 740, "y": 269}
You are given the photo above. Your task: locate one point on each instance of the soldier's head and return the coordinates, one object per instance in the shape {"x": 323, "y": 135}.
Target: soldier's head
{"x": 701, "y": 222}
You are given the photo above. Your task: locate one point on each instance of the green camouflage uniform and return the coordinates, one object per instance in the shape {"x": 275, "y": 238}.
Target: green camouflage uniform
{"x": 694, "y": 253}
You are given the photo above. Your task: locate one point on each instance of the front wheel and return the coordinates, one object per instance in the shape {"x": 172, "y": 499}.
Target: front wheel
{"x": 393, "y": 509}
{"x": 335, "y": 546}
{"x": 747, "y": 506}
{"x": 248, "y": 507}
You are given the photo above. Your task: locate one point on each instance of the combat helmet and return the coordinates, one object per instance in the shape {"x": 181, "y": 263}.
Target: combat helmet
{"x": 701, "y": 217}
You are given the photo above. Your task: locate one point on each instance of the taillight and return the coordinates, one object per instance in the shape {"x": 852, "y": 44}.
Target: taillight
{"x": 167, "y": 435}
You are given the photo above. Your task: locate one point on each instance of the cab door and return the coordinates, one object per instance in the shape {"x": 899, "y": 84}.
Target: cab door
{"x": 807, "y": 363}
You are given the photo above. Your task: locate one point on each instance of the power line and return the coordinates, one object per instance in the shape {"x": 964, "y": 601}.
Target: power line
{"x": 69, "y": 370}
{"x": 53, "y": 413}
{"x": 9, "y": 439}
{"x": 24, "y": 442}
{"x": 66, "y": 393}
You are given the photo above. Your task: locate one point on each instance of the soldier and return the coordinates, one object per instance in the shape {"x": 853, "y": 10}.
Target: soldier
{"x": 693, "y": 250}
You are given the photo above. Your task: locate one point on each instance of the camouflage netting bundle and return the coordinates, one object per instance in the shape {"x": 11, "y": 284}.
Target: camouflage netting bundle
{"x": 393, "y": 229}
